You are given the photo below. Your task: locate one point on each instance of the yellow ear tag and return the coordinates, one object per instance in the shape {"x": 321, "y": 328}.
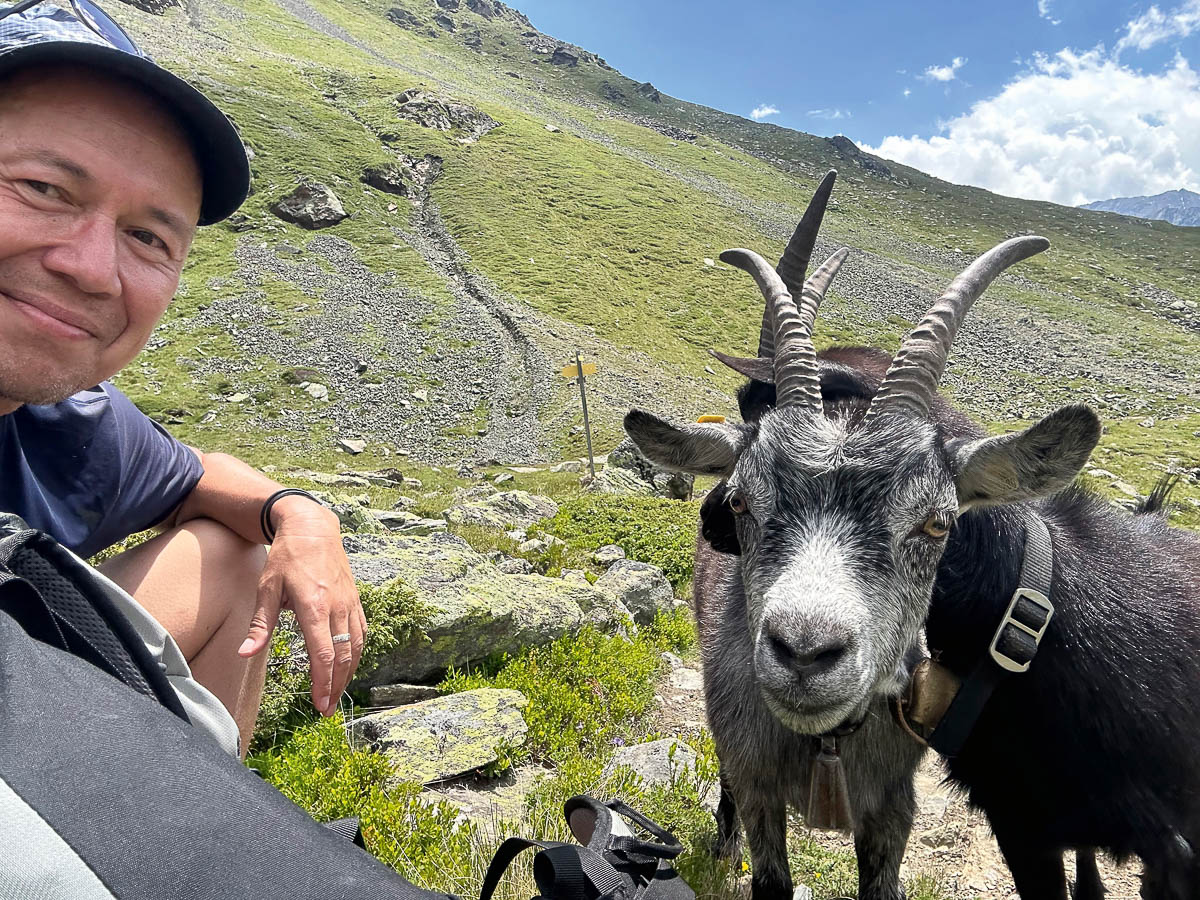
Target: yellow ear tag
{"x": 715, "y": 420}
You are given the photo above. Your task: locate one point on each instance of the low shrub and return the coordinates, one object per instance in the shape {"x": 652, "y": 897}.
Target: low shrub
{"x": 588, "y": 691}
{"x": 649, "y": 529}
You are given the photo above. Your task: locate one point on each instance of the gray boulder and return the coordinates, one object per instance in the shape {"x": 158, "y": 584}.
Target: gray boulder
{"x": 311, "y": 205}
{"x": 475, "y": 609}
{"x": 502, "y": 511}
{"x": 655, "y": 762}
{"x": 442, "y": 114}
{"x": 388, "y": 178}
{"x": 640, "y": 587}
{"x": 408, "y": 21}
{"x": 628, "y": 471}
{"x": 446, "y": 736}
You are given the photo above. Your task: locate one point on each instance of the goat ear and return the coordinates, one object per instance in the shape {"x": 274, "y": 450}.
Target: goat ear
{"x": 708, "y": 449}
{"x": 1032, "y": 463}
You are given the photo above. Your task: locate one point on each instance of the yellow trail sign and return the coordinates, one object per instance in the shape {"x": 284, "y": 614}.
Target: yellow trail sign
{"x": 573, "y": 371}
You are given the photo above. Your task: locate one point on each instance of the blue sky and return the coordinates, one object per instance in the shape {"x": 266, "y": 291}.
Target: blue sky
{"x": 1062, "y": 100}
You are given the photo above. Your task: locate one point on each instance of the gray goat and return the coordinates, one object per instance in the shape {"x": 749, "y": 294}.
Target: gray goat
{"x": 841, "y": 509}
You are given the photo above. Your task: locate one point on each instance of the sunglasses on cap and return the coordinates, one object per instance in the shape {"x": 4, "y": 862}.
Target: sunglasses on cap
{"x": 90, "y": 15}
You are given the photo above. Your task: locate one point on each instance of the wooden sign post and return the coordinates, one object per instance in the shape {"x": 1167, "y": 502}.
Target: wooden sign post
{"x": 578, "y": 371}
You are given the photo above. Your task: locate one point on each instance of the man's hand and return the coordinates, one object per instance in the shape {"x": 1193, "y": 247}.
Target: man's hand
{"x": 308, "y": 573}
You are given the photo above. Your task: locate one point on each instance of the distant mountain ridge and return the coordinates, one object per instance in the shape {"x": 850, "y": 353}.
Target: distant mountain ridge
{"x": 1181, "y": 207}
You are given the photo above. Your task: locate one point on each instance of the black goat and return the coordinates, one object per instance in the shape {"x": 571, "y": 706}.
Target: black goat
{"x": 862, "y": 509}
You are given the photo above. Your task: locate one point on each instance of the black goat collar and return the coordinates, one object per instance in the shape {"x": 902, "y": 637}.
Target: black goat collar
{"x": 933, "y": 712}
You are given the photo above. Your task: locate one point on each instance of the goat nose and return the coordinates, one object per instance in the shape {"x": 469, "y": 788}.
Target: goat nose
{"x": 805, "y": 658}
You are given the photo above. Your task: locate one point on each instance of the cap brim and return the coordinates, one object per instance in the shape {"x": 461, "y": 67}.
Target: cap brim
{"x": 218, "y": 147}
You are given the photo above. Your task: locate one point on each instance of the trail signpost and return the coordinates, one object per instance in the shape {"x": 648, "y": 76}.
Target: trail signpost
{"x": 579, "y": 372}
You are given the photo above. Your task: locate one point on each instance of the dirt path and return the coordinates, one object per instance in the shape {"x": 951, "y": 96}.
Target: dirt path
{"x": 949, "y": 840}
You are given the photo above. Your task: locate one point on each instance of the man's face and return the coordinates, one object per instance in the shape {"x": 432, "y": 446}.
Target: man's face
{"x": 99, "y": 199}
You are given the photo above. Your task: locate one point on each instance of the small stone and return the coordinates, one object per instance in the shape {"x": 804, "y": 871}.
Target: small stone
{"x": 944, "y": 836}
{"x": 608, "y": 554}
{"x": 553, "y": 129}
{"x": 709, "y": 262}
{"x": 353, "y": 446}
{"x": 1147, "y": 423}
{"x": 685, "y": 679}
{"x": 238, "y": 398}
{"x": 421, "y": 394}
{"x": 317, "y": 391}
{"x": 414, "y": 483}
{"x": 802, "y": 892}
{"x": 671, "y": 659}
{"x": 515, "y": 566}
{"x": 571, "y": 465}
{"x": 1126, "y": 488}
{"x": 502, "y": 478}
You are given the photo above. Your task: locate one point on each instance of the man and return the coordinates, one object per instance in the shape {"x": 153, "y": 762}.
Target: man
{"x": 107, "y": 165}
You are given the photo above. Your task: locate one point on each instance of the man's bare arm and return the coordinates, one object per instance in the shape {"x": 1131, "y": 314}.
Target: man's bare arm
{"x": 306, "y": 571}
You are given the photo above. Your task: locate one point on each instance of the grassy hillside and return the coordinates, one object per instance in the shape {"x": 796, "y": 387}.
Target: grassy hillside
{"x": 589, "y": 219}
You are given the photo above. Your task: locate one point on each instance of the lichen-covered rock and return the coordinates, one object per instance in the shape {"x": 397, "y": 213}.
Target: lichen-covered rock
{"x": 447, "y": 736}
{"x": 476, "y": 609}
{"x": 355, "y": 519}
{"x": 640, "y": 587}
{"x": 311, "y": 205}
{"x": 401, "y": 521}
{"x": 503, "y": 511}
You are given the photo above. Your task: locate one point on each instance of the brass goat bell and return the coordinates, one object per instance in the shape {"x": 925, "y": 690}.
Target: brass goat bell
{"x": 828, "y": 804}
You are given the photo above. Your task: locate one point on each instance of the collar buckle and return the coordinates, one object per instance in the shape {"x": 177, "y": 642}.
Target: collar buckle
{"x": 1016, "y": 641}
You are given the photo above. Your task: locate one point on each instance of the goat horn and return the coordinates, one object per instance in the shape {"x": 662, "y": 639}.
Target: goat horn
{"x": 797, "y": 382}
{"x": 913, "y": 376}
{"x": 794, "y": 264}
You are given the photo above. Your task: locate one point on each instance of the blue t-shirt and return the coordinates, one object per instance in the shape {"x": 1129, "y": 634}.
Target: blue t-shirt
{"x": 91, "y": 470}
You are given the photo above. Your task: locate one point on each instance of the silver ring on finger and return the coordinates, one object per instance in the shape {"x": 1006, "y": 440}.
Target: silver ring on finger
{"x": 341, "y": 638}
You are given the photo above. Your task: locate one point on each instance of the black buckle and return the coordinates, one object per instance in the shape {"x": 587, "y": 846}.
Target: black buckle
{"x": 1021, "y": 630}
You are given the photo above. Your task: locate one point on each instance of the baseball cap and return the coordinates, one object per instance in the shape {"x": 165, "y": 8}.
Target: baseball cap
{"x": 80, "y": 32}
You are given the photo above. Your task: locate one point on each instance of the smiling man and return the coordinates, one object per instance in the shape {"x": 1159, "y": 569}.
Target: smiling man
{"x": 108, "y": 164}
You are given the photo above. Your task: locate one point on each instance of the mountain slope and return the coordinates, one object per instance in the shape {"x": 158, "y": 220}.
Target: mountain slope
{"x": 588, "y": 219}
{"x": 1181, "y": 207}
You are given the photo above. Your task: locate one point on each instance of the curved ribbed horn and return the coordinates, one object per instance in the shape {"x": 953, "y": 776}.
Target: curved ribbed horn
{"x": 794, "y": 263}
{"x": 797, "y": 382}
{"x": 913, "y": 376}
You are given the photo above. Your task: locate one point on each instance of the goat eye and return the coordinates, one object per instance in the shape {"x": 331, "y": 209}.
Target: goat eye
{"x": 737, "y": 502}
{"x": 937, "y": 525}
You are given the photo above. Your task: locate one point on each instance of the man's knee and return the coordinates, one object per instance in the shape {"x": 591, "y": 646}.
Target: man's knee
{"x": 224, "y": 552}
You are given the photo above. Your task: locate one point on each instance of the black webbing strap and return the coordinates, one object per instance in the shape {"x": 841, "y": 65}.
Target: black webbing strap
{"x": 632, "y": 847}
{"x": 561, "y": 871}
{"x": 1013, "y": 647}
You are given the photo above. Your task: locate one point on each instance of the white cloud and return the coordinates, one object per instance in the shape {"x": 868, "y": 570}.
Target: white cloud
{"x": 945, "y": 73}
{"x": 1154, "y": 26}
{"x": 761, "y": 112}
{"x": 1044, "y": 12}
{"x": 907, "y": 91}
{"x": 1073, "y": 128}
{"x": 829, "y": 113}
